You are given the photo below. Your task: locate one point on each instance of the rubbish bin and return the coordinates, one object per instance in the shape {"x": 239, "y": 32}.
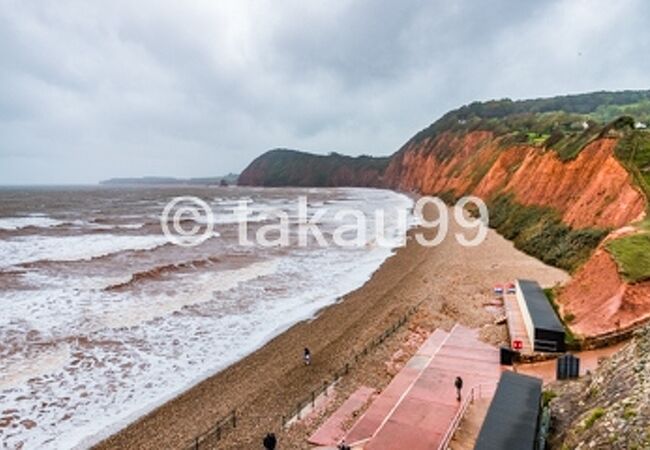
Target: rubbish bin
{"x": 507, "y": 356}
{"x": 568, "y": 366}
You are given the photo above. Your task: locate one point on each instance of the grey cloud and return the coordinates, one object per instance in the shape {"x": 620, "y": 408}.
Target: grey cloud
{"x": 90, "y": 90}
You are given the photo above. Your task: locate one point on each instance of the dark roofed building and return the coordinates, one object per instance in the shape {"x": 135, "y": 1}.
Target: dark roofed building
{"x": 544, "y": 328}
{"x": 513, "y": 415}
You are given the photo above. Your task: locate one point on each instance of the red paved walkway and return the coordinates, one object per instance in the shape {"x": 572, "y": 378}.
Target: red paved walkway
{"x": 332, "y": 431}
{"x": 368, "y": 424}
{"x": 422, "y": 413}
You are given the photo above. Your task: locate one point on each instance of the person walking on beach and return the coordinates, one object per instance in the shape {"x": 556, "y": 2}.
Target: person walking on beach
{"x": 459, "y": 386}
{"x": 270, "y": 441}
{"x": 307, "y": 357}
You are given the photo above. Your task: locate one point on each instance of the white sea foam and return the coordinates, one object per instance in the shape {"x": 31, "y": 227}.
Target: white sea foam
{"x": 19, "y": 368}
{"x": 196, "y": 289}
{"x": 26, "y": 249}
{"x": 116, "y": 355}
{"x": 16, "y": 223}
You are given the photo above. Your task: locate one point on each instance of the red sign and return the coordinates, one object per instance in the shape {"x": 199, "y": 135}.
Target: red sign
{"x": 517, "y": 344}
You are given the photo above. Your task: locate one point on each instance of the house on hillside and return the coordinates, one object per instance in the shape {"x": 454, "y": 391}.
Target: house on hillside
{"x": 640, "y": 126}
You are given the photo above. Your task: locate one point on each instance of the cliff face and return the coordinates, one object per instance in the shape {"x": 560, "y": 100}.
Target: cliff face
{"x": 600, "y": 301}
{"x": 591, "y": 191}
{"x": 608, "y": 408}
{"x": 594, "y": 190}
{"x": 282, "y": 167}
{"x": 552, "y": 175}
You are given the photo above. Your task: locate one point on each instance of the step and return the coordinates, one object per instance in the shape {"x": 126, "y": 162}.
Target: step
{"x": 332, "y": 431}
{"x": 426, "y": 411}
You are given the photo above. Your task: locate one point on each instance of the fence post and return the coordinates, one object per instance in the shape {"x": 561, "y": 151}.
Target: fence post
{"x": 196, "y": 444}
{"x": 298, "y": 411}
{"x": 325, "y": 387}
{"x": 219, "y": 433}
{"x": 284, "y": 422}
{"x": 347, "y": 368}
{"x": 234, "y": 418}
{"x": 313, "y": 399}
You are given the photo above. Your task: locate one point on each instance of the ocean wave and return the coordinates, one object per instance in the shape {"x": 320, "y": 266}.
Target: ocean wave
{"x": 200, "y": 289}
{"x": 31, "y": 249}
{"x": 160, "y": 271}
{"x": 36, "y": 221}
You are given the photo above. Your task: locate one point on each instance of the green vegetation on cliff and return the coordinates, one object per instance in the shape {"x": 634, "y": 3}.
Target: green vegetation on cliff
{"x": 597, "y": 106}
{"x": 564, "y": 124}
{"x": 540, "y": 232}
{"x": 632, "y": 254}
{"x": 639, "y": 110}
{"x": 633, "y": 150}
{"x": 282, "y": 167}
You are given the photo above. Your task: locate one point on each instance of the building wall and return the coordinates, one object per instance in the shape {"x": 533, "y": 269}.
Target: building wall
{"x": 528, "y": 322}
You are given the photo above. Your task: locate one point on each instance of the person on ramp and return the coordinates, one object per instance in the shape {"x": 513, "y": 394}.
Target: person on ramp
{"x": 459, "y": 387}
{"x": 307, "y": 357}
{"x": 270, "y": 441}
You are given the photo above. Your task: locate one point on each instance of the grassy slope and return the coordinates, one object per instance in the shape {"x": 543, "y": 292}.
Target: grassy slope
{"x": 632, "y": 253}
{"x": 539, "y": 232}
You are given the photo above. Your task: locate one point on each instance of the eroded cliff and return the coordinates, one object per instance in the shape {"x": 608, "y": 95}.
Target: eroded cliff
{"x": 557, "y": 183}
{"x": 593, "y": 190}
{"x": 590, "y": 195}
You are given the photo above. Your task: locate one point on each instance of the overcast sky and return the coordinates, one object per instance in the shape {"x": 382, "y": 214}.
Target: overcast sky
{"x": 97, "y": 89}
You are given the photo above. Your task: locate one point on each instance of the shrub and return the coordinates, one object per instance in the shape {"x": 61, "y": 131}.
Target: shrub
{"x": 633, "y": 150}
{"x": 539, "y": 232}
{"x": 547, "y": 396}
{"x": 594, "y": 415}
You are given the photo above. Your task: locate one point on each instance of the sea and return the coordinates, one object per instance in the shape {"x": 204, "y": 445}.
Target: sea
{"x": 103, "y": 317}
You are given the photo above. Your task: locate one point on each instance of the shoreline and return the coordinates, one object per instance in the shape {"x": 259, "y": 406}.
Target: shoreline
{"x": 306, "y": 315}
{"x": 269, "y": 381}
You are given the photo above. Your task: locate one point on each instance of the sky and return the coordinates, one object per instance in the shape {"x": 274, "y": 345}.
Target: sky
{"x": 96, "y": 89}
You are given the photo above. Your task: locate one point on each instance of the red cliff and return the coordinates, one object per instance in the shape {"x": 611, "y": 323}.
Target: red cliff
{"x": 593, "y": 190}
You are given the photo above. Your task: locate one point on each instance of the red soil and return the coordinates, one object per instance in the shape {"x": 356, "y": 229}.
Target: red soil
{"x": 601, "y": 301}
{"x": 593, "y": 190}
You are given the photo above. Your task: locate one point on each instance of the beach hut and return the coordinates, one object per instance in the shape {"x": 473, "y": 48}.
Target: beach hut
{"x": 511, "y": 288}
{"x": 511, "y": 420}
{"x": 544, "y": 329}
{"x": 498, "y": 289}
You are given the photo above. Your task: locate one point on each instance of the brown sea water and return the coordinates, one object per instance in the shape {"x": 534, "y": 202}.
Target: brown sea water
{"x": 102, "y": 318}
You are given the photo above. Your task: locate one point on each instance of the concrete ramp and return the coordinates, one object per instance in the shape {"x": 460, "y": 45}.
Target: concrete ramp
{"x": 421, "y": 407}
{"x": 370, "y": 422}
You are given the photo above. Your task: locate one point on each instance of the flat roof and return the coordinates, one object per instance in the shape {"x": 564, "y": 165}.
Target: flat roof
{"x": 511, "y": 420}
{"x": 541, "y": 312}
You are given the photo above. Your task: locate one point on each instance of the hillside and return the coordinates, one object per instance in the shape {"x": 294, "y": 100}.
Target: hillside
{"x": 282, "y": 167}
{"x": 609, "y": 408}
{"x": 563, "y": 182}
